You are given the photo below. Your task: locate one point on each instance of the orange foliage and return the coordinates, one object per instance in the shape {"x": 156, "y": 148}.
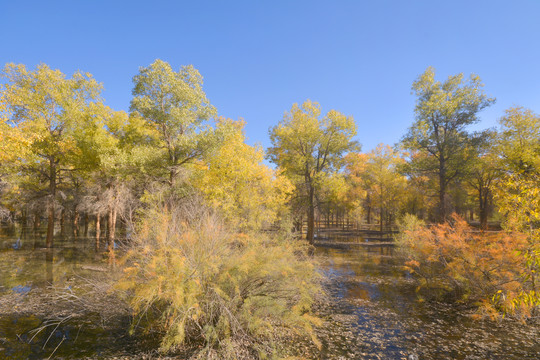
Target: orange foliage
{"x": 483, "y": 268}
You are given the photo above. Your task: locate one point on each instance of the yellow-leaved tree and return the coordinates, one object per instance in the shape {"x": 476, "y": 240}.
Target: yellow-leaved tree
{"x": 234, "y": 179}
{"x": 308, "y": 147}
{"x": 50, "y": 110}
{"x": 13, "y": 146}
{"x": 376, "y": 173}
{"x": 518, "y": 195}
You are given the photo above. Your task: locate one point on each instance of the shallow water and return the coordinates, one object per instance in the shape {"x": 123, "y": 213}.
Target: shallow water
{"x": 375, "y": 304}
{"x": 27, "y": 269}
{"x": 373, "y": 310}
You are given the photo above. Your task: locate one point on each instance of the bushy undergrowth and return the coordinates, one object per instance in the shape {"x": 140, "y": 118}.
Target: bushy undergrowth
{"x": 466, "y": 265}
{"x": 228, "y": 295}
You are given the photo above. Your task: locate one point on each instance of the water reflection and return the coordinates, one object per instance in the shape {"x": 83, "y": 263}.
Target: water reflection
{"x": 375, "y": 300}
{"x": 27, "y": 270}
{"x": 49, "y": 256}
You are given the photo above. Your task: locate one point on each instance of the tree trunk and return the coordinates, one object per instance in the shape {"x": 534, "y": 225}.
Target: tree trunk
{"x": 63, "y": 222}
{"x": 52, "y": 196}
{"x": 310, "y": 217}
{"x": 111, "y": 229}
{"x": 85, "y": 224}
{"x": 442, "y": 191}
{"x": 76, "y": 222}
{"x": 98, "y": 230}
{"x": 381, "y": 220}
{"x": 483, "y": 197}
{"x": 37, "y": 220}
{"x": 328, "y": 218}
{"x": 24, "y": 219}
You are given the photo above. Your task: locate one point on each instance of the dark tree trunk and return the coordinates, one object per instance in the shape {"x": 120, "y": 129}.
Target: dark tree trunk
{"x": 37, "y": 220}
{"x": 442, "y": 191}
{"x": 328, "y": 218}
{"x": 111, "y": 230}
{"x": 310, "y": 217}
{"x": 52, "y": 196}
{"x": 63, "y": 222}
{"x": 86, "y": 225}
{"x": 484, "y": 203}
{"x": 24, "y": 218}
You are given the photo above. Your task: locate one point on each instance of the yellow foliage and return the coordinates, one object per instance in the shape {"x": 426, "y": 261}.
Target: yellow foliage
{"x": 199, "y": 283}
{"x": 235, "y": 180}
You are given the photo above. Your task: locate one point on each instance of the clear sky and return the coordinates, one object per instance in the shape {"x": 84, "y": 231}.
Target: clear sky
{"x": 259, "y": 57}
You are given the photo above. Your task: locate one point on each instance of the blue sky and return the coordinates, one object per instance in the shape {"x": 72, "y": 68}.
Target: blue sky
{"x": 259, "y": 57}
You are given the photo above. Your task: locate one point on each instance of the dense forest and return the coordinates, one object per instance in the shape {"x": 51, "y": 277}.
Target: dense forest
{"x": 212, "y": 247}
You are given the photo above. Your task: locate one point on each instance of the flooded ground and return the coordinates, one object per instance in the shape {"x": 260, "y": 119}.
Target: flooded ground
{"x": 371, "y": 310}
{"x": 54, "y": 325}
{"x": 377, "y": 314}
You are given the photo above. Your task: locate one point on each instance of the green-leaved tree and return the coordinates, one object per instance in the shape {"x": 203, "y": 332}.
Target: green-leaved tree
{"x": 439, "y": 134}
{"x": 175, "y": 104}
{"x": 49, "y": 110}
{"x": 308, "y": 146}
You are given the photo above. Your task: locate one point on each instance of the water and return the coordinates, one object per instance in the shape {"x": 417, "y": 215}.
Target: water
{"x": 372, "y": 309}
{"x": 29, "y": 271}
{"x": 374, "y": 303}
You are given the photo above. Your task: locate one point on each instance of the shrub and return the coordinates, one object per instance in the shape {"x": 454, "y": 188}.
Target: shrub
{"x": 229, "y": 295}
{"x": 469, "y": 265}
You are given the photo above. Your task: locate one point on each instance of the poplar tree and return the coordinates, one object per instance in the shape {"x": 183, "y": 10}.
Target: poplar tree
{"x": 174, "y": 103}
{"x": 49, "y": 110}
{"x": 308, "y": 147}
{"x": 439, "y": 134}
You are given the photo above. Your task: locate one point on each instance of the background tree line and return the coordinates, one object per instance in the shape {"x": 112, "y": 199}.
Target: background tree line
{"x": 67, "y": 155}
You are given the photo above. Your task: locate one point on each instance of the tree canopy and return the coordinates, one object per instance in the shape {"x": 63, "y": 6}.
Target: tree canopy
{"x": 308, "y": 146}
{"x": 443, "y": 112}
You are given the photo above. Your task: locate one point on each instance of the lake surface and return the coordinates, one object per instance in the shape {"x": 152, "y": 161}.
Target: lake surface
{"x": 372, "y": 309}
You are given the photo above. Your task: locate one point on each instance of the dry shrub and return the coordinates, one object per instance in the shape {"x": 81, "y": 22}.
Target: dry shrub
{"x": 228, "y": 295}
{"x": 466, "y": 265}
